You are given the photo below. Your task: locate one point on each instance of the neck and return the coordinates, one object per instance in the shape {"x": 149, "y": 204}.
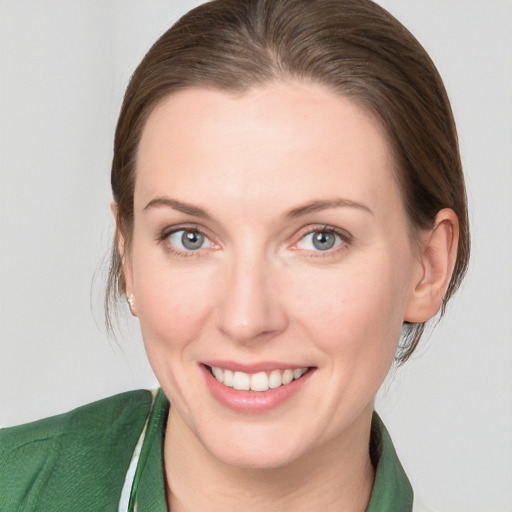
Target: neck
{"x": 337, "y": 475}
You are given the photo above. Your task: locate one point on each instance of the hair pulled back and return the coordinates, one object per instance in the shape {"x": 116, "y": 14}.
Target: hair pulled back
{"x": 353, "y": 47}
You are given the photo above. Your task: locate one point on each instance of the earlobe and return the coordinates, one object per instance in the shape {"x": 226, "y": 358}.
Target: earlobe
{"x": 437, "y": 260}
{"x": 124, "y": 260}
{"x": 127, "y": 271}
{"x": 131, "y": 305}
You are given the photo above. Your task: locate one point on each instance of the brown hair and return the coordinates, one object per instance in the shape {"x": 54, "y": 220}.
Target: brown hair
{"x": 353, "y": 47}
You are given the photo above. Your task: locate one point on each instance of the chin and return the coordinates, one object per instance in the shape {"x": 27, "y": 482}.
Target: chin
{"x": 264, "y": 459}
{"x": 256, "y": 448}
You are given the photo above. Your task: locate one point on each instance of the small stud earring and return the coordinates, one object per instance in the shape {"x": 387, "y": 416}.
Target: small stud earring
{"x": 131, "y": 305}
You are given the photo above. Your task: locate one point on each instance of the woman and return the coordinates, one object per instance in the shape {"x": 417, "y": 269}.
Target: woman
{"x": 289, "y": 199}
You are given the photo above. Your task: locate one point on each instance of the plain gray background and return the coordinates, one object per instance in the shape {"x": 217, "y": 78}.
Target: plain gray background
{"x": 63, "y": 69}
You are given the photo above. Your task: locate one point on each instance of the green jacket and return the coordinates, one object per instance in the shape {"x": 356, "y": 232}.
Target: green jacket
{"x": 78, "y": 461}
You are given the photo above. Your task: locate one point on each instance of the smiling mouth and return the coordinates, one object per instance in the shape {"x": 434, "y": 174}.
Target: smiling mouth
{"x": 261, "y": 381}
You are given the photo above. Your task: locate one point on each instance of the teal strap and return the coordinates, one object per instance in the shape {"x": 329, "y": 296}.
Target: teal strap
{"x": 151, "y": 432}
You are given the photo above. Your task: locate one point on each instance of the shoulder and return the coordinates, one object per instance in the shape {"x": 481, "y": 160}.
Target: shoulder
{"x": 95, "y": 414}
{"x": 73, "y": 459}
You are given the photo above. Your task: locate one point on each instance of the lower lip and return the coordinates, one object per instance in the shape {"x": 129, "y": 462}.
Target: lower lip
{"x": 253, "y": 402}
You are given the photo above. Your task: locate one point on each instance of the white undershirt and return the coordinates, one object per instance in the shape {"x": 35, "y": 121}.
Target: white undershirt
{"x": 130, "y": 474}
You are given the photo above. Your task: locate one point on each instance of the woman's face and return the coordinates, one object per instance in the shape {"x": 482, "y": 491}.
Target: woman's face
{"x": 270, "y": 243}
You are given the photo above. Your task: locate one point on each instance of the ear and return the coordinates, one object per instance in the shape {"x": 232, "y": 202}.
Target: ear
{"x": 438, "y": 253}
{"x": 125, "y": 260}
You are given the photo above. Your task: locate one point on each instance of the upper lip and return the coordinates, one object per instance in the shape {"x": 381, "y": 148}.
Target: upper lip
{"x": 260, "y": 366}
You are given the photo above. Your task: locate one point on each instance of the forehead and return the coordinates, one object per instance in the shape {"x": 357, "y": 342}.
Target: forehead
{"x": 286, "y": 141}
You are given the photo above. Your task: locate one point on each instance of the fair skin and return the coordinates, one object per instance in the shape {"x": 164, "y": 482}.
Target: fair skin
{"x": 269, "y": 235}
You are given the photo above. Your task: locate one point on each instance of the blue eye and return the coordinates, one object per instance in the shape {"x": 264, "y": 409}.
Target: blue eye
{"x": 321, "y": 240}
{"x": 189, "y": 240}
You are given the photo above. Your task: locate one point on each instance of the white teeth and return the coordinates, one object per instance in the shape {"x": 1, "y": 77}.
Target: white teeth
{"x": 274, "y": 379}
{"x": 228, "y": 377}
{"x": 241, "y": 381}
{"x": 260, "y": 381}
{"x": 218, "y": 373}
{"x": 287, "y": 377}
{"x": 299, "y": 372}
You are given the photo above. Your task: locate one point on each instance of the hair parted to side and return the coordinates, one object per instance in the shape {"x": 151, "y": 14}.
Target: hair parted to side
{"x": 353, "y": 47}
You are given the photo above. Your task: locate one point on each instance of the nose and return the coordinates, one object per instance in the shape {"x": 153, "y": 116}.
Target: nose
{"x": 250, "y": 309}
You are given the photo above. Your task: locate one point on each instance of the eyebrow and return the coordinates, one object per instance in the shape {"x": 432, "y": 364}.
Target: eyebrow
{"x": 186, "y": 208}
{"x": 299, "y": 211}
{"x": 325, "y": 204}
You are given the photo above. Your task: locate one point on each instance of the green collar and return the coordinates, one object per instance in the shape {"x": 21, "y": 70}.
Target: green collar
{"x": 391, "y": 490}
{"x": 148, "y": 489}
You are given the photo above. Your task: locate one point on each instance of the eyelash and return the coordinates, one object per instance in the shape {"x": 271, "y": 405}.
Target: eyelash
{"x": 345, "y": 239}
{"x": 163, "y": 238}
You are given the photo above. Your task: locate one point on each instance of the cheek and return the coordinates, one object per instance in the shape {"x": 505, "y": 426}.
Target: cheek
{"x": 172, "y": 303}
{"x": 354, "y": 311}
